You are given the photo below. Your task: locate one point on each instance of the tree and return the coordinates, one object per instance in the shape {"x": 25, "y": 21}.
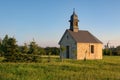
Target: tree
{"x": 4, "y": 41}
{"x": 112, "y": 51}
{"x": 41, "y": 51}
{"x": 4, "y": 44}
{"x": 62, "y": 49}
{"x": 33, "y": 48}
{"x": 47, "y": 50}
{"x": 24, "y": 49}
{"x": 1, "y": 52}
{"x": 49, "y": 58}
{"x": 11, "y": 49}
{"x": 53, "y": 50}
{"x": 118, "y": 50}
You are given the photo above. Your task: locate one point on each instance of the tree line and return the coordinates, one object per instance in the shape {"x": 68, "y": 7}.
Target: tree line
{"x": 11, "y": 51}
{"x": 111, "y": 51}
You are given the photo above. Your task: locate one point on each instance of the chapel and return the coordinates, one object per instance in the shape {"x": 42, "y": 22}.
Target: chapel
{"x": 79, "y": 44}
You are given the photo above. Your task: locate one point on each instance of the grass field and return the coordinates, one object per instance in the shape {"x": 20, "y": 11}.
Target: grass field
{"x": 106, "y": 69}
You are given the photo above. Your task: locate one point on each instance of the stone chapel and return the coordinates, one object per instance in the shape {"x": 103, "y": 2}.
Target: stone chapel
{"x": 79, "y": 44}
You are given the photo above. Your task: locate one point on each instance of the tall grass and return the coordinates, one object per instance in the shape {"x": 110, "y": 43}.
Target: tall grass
{"x": 106, "y": 69}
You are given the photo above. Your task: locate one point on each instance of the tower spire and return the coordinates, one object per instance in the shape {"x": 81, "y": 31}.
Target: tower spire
{"x": 74, "y": 22}
{"x": 73, "y": 10}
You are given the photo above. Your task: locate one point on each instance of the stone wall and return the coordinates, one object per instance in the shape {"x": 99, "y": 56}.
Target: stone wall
{"x": 84, "y": 51}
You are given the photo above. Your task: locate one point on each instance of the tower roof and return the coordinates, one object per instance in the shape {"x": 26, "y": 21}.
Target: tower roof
{"x": 74, "y": 22}
{"x": 74, "y": 16}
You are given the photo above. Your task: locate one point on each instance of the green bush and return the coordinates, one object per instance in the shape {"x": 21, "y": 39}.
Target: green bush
{"x": 21, "y": 58}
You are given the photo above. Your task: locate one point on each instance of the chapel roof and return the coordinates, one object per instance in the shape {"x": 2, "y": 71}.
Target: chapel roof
{"x": 84, "y": 37}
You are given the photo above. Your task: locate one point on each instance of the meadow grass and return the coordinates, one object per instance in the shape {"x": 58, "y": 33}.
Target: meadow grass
{"x": 106, "y": 69}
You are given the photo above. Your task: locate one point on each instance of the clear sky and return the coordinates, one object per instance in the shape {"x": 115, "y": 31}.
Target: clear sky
{"x": 47, "y": 20}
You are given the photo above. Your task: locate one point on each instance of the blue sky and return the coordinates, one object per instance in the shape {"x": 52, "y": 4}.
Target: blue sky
{"x": 47, "y": 20}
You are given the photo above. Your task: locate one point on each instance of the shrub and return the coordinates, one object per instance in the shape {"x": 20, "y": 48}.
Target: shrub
{"x": 22, "y": 58}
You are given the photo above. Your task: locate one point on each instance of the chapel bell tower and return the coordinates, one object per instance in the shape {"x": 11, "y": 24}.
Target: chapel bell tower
{"x": 74, "y": 22}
